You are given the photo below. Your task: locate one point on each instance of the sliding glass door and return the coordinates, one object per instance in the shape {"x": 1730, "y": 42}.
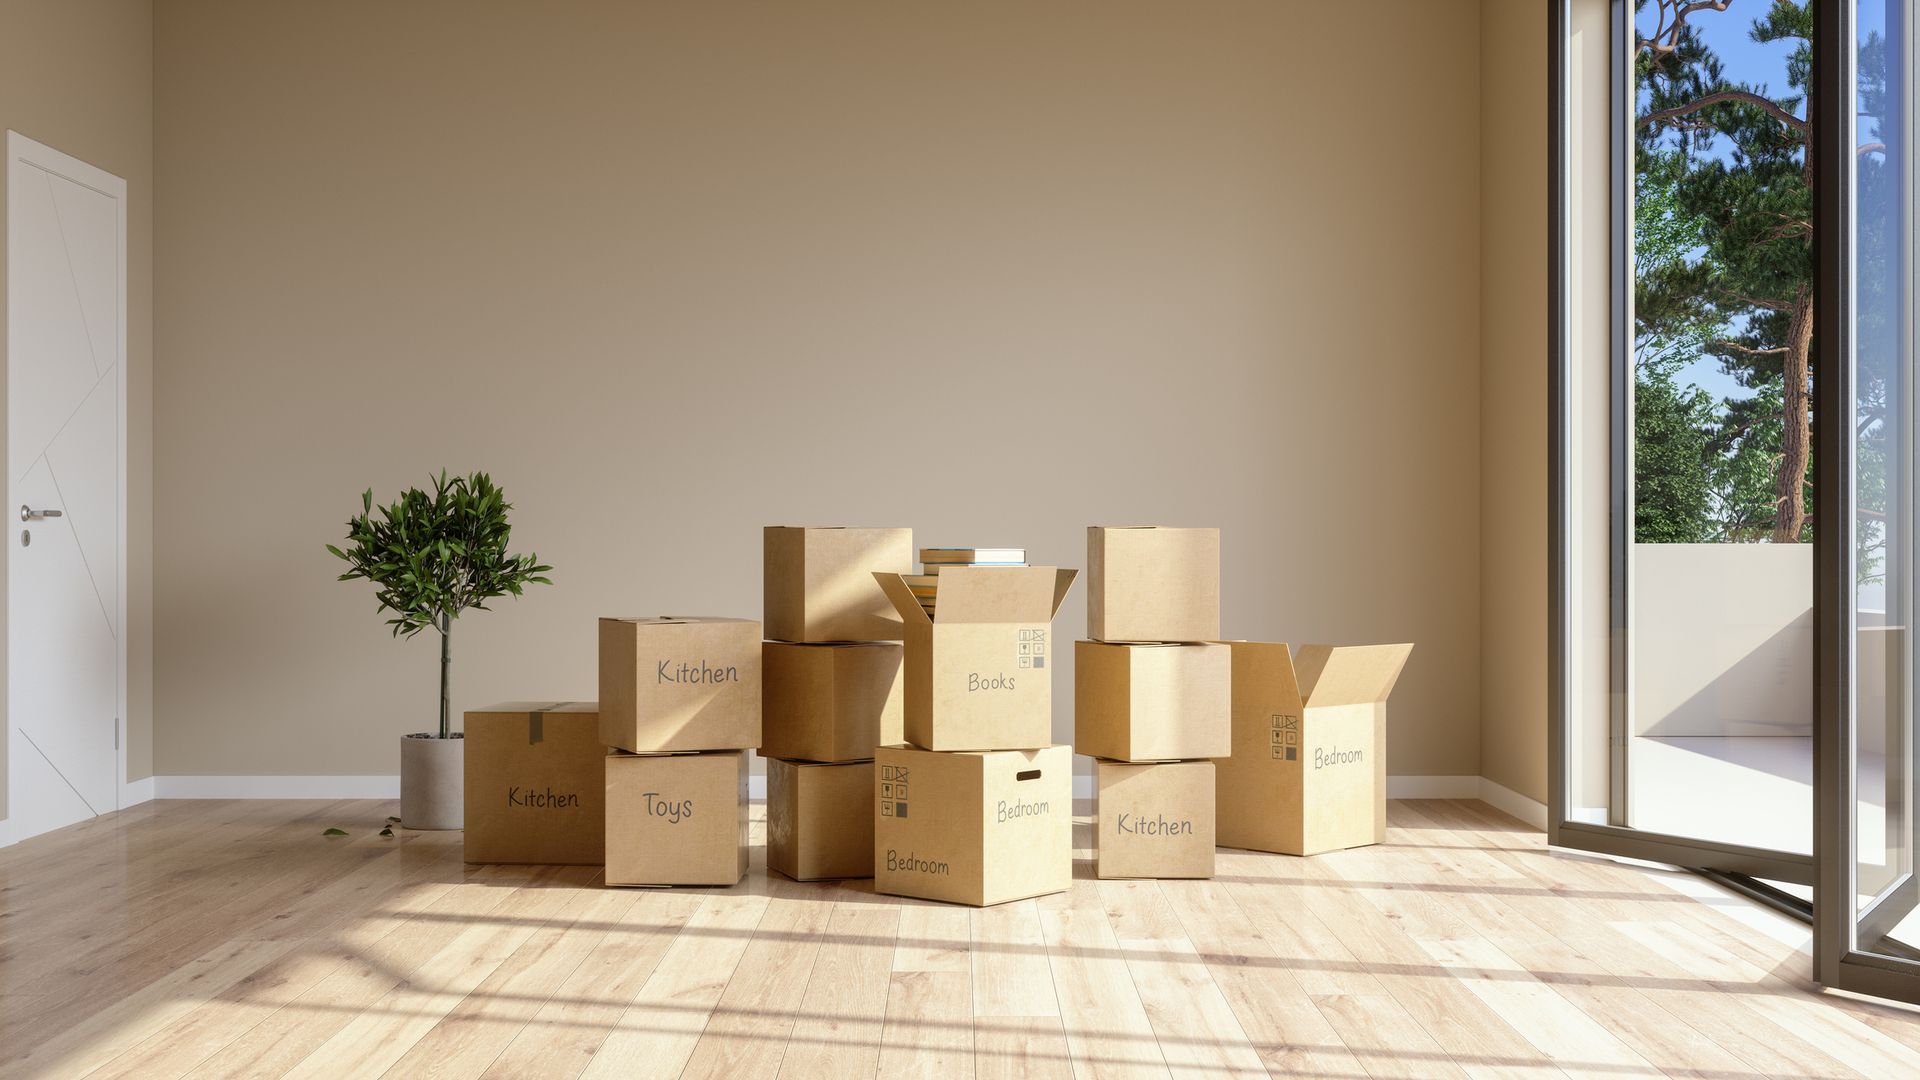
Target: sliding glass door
{"x": 1683, "y": 601}
{"x": 1866, "y": 928}
{"x": 1734, "y": 455}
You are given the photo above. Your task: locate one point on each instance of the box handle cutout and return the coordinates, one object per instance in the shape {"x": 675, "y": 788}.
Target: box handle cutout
{"x": 1027, "y": 774}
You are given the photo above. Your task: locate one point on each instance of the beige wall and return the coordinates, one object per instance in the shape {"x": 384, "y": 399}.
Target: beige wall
{"x": 77, "y": 75}
{"x": 1513, "y": 395}
{"x": 674, "y": 272}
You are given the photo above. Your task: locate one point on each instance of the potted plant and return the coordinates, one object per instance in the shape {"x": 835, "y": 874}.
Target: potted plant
{"x": 434, "y": 555}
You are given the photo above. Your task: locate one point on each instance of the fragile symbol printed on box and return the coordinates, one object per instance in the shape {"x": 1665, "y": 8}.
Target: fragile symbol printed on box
{"x": 1033, "y": 648}
{"x": 1286, "y": 737}
{"x": 893, "y": 791}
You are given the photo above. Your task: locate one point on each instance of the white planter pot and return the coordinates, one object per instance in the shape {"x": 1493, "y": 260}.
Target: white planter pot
{"x": 432, "y": 782}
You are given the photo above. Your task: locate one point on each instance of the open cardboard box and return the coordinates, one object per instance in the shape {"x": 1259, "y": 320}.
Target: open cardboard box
{"x": 1153, "y": 583}
{"x": 980, "y": 670}
{"x": 535, "y": 788}
{"x": 679, "y": 682}
{"x": 818, "y": 583}
{"x": 1152, "y": 701}
{"x": 1308, "y": 771}
{"x": 972, "y": 828}
{"x": 830, "y": 702}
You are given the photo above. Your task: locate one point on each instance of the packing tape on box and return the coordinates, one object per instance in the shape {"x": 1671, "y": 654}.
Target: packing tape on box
{"x": 537, "y": 723}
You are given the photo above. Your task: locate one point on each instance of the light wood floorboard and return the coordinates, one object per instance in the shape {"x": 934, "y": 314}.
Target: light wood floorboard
{"x": 227, "y": 938}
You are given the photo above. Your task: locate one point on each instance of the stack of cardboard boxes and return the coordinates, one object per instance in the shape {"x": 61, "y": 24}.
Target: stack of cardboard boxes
{"x": 976, "y": 806}
{"x": 1152, "y": 698}
{"x": 679, "y": 711}
{"x": 931, "y": 767}
{"x": 832, "y": 692}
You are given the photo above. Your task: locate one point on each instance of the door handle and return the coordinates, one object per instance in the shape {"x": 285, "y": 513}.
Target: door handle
{"x": 27, "y": 513}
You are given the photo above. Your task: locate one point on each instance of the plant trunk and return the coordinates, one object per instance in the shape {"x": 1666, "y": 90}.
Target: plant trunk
{"x": 1789, "y": 484}
{"x": 446, "y": 663}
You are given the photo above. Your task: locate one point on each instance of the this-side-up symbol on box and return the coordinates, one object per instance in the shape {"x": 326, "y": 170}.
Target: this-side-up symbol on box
{"x": 1286, "y": 737}
{"x": 893, "y": 791}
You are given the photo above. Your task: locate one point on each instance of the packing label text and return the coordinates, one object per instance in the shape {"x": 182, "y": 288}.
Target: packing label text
{"x": 550, "y": 799}
{"x": 671, "y": 809}
{"x": 1019, "y": 808}
{"x": 1323, "y": 757}
{"x": 1157, "y": 825}
{"x": 911, "y": 863}
{"x": 694, "y": 672}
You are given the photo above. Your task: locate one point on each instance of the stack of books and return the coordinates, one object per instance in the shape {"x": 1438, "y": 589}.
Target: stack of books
{"x": 933, "y": 560}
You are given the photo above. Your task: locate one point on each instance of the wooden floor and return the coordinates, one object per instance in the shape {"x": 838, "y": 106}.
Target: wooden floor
{"x": 233, "y": 939}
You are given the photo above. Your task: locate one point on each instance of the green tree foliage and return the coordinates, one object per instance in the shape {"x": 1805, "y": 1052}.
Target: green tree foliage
{"x": 1673, "y": 501}
{"x": 1724, "y": 178}
{"x": 437, "y": 554}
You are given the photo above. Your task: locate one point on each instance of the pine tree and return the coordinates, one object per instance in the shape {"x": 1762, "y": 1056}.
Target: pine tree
{"x": 1737, "y": 162}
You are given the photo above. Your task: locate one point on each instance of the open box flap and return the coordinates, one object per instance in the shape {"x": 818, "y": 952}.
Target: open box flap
{"x": 902, "y": 598}
{"x": 1062, "y": 584}
{"x": 1000, "y": 594}
{"x": 1348, "y": 674}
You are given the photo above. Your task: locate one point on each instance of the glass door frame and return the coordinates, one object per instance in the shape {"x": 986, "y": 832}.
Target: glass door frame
{"x": 1615, "y": 837}
{"x": 1841, "y": 926}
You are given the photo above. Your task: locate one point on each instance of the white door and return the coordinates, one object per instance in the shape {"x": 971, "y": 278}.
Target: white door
{"x": 65, "y": 529}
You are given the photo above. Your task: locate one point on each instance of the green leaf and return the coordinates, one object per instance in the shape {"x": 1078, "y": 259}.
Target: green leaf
{"x": 334, "y": 832}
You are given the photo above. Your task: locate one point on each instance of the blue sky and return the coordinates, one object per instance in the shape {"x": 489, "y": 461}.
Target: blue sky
{"x": 1764, "y": 66}
{"x": 1761, "y": 65}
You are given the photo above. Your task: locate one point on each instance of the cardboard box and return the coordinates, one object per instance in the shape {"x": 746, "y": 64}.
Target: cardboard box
{"x": 820, "y": 819}
{"x": 830, "y": 702}
{"x": 973, "y": 828}
{"x": 675, "y": 683}
{"x": 1152, "y": 702}
{"x": 1309, "y": 766}
{"x": 1153, "y": 583}
{"x": 819, "y": 586}
{"x": 676, "y": 819}
{"x": 535, "y": 787}
{"x": 980, "y": 673}
{"x": 1153, "y": 821}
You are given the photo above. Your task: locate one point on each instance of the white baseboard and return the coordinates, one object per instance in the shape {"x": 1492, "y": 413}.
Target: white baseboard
{"x": 1512, "y": 803}
{"x": 135, "y": 792}
{"x": 276, "y": 787}
{"x": 1433, "y": 787}
{"x": 6, "y": 832}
